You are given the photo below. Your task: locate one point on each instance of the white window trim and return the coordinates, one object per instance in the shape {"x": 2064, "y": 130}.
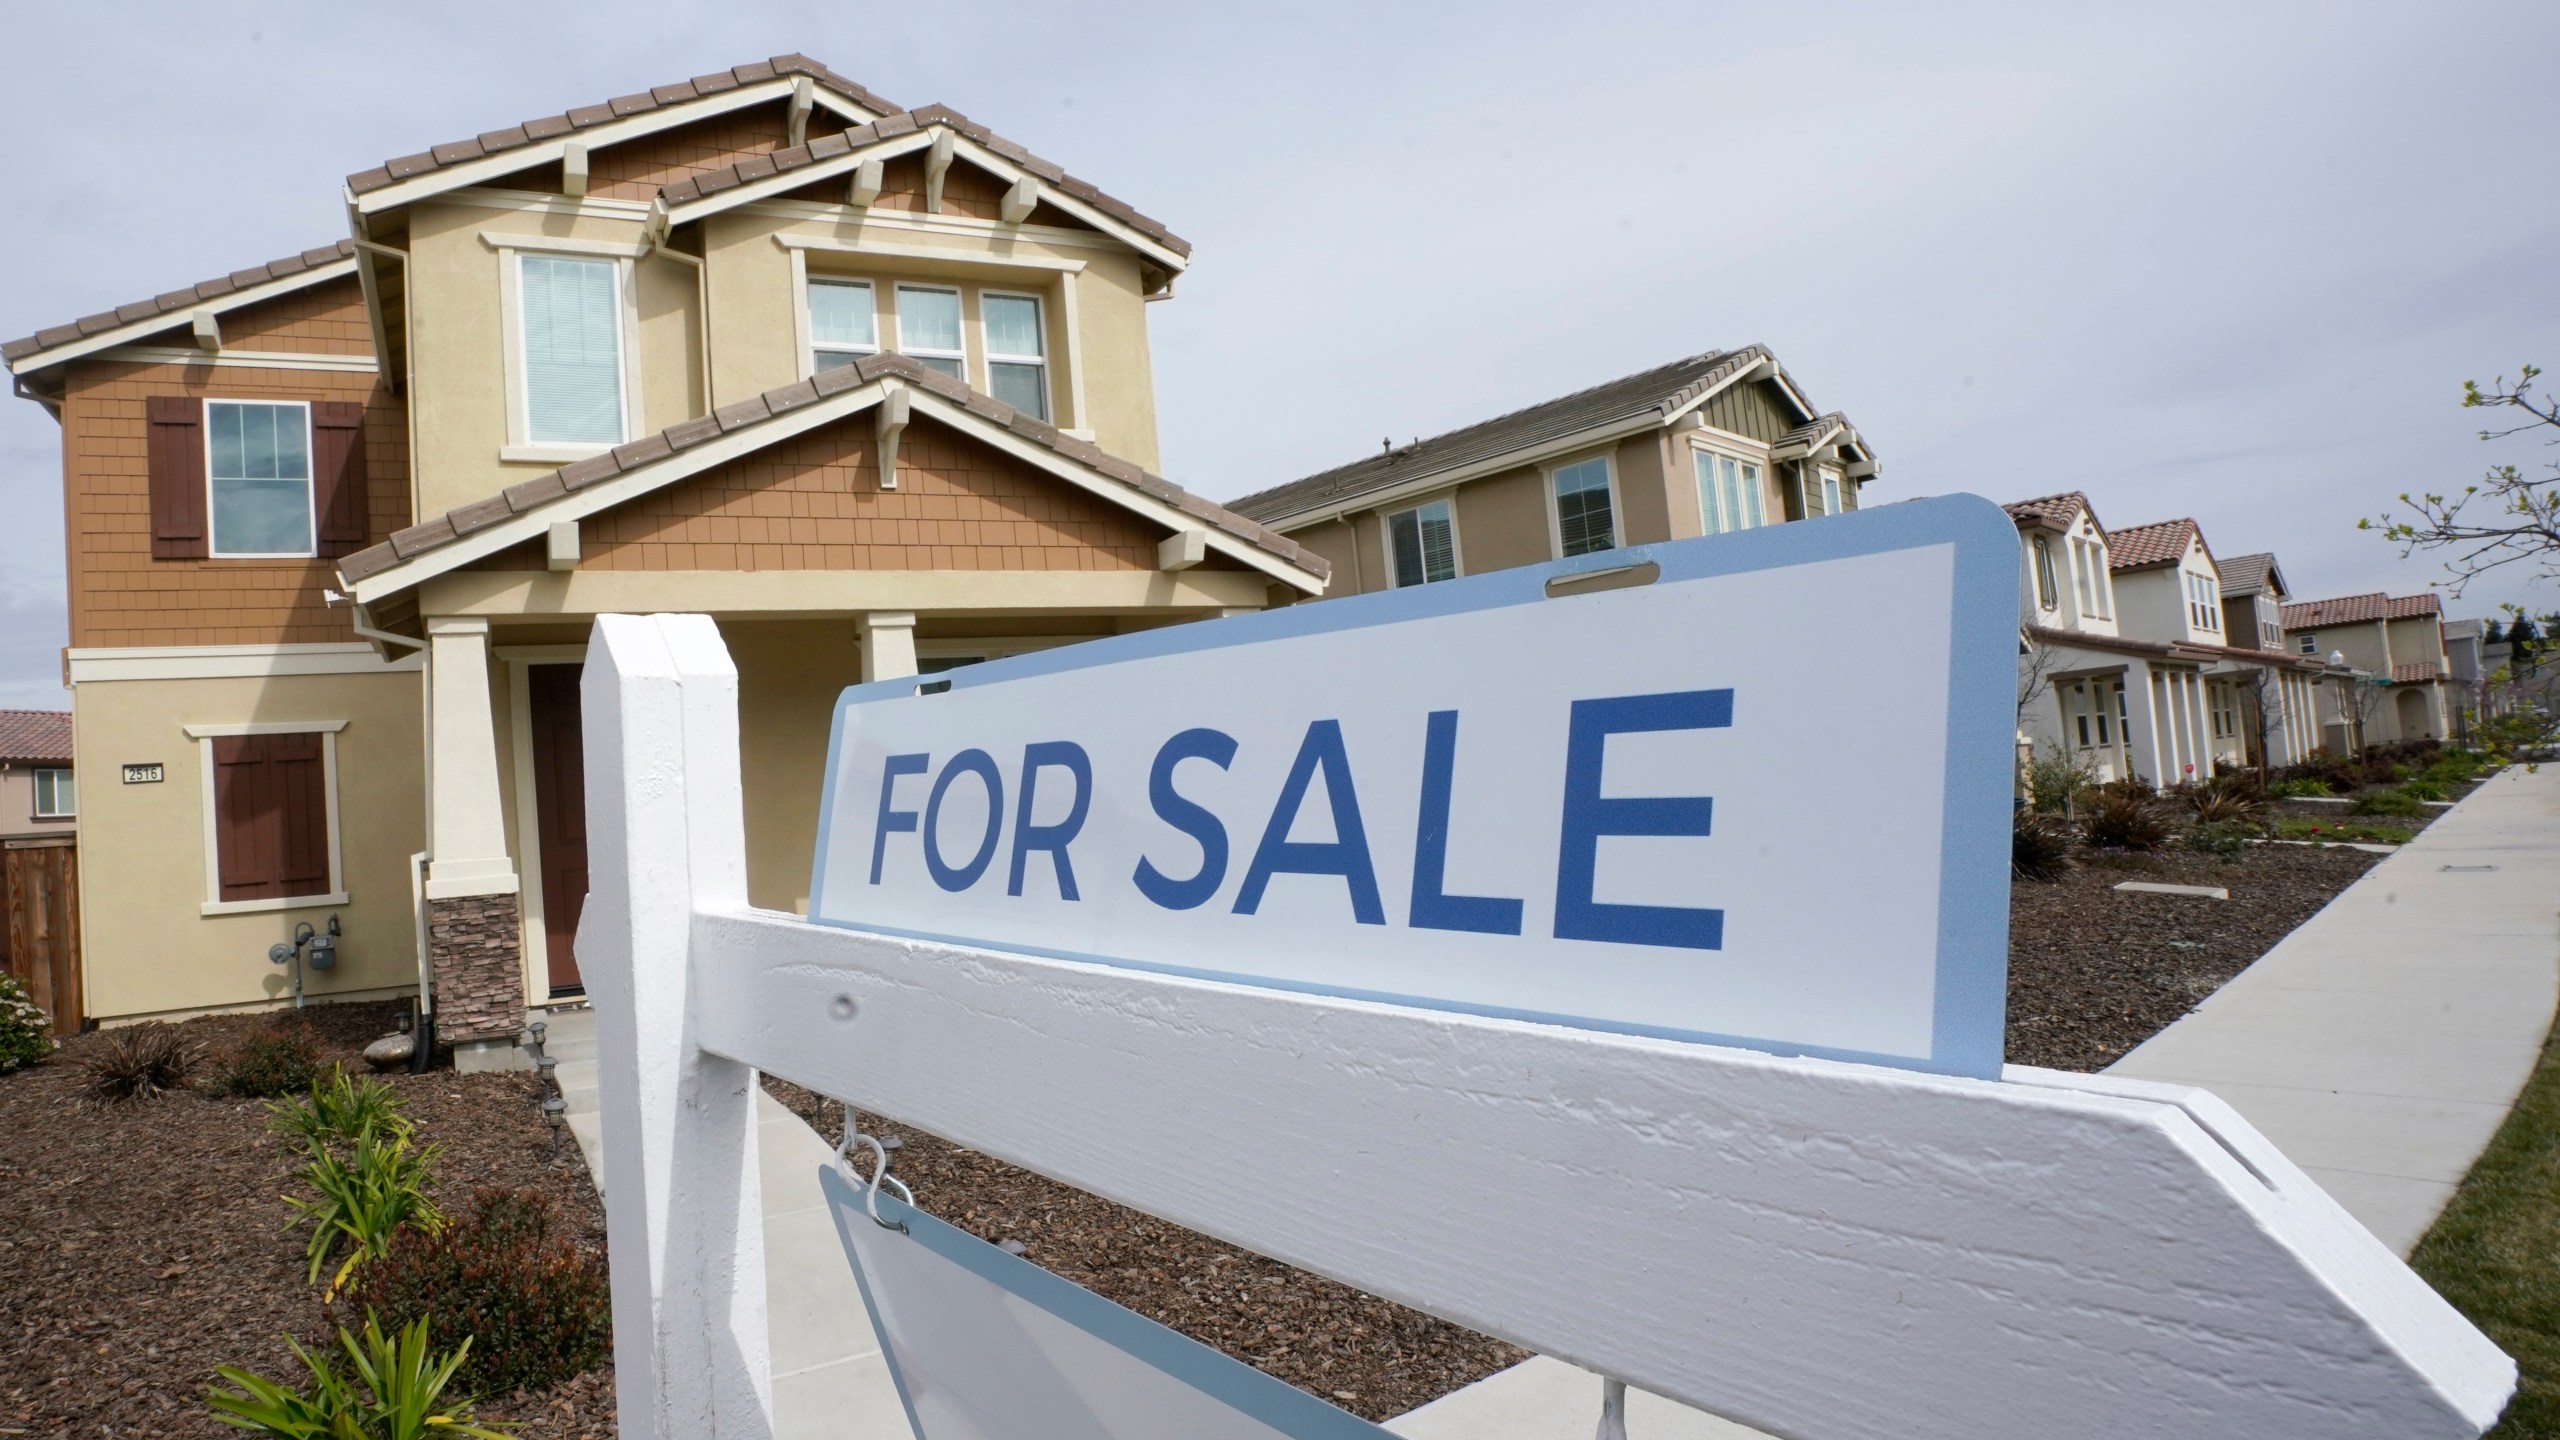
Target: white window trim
{"x": 959, "y": 294}
{"x": 35, "y": 782}
{"x": 1828, "y": 483}
{"x": 1745, "y": 454}
{"x": 1048, "y": 376}
{"x": 511, "y": 248}
{"x": 1387, "y": 538}
{"x": 1555, "y": 518}
{"x": 204, "y": 736}
{"x": 806, "y": 334}
{"x": 310, "y": 482}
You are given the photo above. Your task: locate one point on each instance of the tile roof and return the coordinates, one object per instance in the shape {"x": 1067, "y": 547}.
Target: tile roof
{"x": 495, "y": 142}
{"x": 1662, "y": 389}
{"x": 2358, "y": 609}
{"x": 2416, "y": 674}
{"x": 176, "y": 300}
{"x": 454, "y": 524}
{"x": 2162, "y": 542}
{"x": 2177, "y": 649}
{"x": 2054, "y": 510}
{"x": 890, "y": 127}
{"x": 2245, "y": 574}
{"x": 35, "y": 735}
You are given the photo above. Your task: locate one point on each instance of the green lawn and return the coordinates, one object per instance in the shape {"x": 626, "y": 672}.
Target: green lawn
{"x": 2336, "y": 830}
{"x": 2495, "y": 1252}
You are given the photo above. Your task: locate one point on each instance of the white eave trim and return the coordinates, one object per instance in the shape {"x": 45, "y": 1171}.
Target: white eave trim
{"x": 1424, "y": 482}
{"x": 535, "y": 523}
{"x": 245, "y": 359}
{"x": 1764, "y": 368}
{"x": 948, "y": 256}
{"x": 90, "y": 665}
{"x": 181, "y": 319}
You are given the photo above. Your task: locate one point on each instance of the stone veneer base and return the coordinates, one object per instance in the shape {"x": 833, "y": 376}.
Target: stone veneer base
{"x": 473, "y": 944}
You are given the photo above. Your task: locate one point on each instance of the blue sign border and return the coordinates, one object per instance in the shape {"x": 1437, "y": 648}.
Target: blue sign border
{"x": 1972, "y": 980}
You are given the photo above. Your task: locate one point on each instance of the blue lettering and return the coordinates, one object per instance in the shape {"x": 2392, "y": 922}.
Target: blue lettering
{"x": 1588, "y": 815}
{"x": 893, "y": 820}
{"x": 1218, "y": 749}
{"x": 1432, "y": 908}
{"x": 1346, "y": 854}
{"x": 967, "y": 762}
{"x": 1063, "y": 755}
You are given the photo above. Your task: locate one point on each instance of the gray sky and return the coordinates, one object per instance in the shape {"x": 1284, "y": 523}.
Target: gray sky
{"x": 2224, "y": 261}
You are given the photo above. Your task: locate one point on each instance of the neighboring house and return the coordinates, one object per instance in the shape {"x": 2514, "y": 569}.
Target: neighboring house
{"x": 37, "y": 793}
{"x": 1716, "y": 442}
{"x": 2466, "y": 671}
{"x": 870, "y": 386}
{"x": 2253, "y": 596}
{"x": 2395, "y": 644}
{"x": 39, "y": 867}
{"x": 2124, "y": 664}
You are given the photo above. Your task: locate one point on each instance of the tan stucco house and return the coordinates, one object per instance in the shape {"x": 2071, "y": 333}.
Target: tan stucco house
{"x": 869, "y": 385}
{"x": 1712, "y": 443}
{"x": 2395, "y": 645}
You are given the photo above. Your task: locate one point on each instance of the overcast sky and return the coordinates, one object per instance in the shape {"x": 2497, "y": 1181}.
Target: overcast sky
{"x": 2224, "y": 261}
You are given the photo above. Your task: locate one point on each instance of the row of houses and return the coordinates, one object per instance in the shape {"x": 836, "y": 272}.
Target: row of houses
{"x": 872, "y": 387}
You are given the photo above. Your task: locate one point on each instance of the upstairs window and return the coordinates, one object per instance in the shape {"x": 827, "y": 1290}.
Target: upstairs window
{"x": 1424, "y": 544}
{"x": 2204, "y": 607}
{"x": 1017, "y": 361}
{"x": 1830, "y": 492}
{"x": 1584, "y": 521}
{"x": 2048, "y": 590}
{"x": 1728, "y": 494}
{"x": 572, "y": 316}
{"x": 929, "y": 328}
{"x": 57, "y": 795}
{"x": 844, "y": 324}
{"x": 2307, "y": 644}
{"x": 258, "y": 477}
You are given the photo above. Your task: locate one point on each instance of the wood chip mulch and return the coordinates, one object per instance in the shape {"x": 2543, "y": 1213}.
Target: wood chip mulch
{"x": 143, "y": 1244}
{"x": 2094, "y": 971}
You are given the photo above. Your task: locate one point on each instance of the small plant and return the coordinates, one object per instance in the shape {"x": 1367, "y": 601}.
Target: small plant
{"x": 139, "y": 1062}
{"x": 343, "y": 1110}
{"x": 276, "y": 1060}
{"x": 2223, "y": 839}
{"x": 2301, "y": 789}
{"x": 365, "y": 1199}
{"x": 2121, "y": 822}
{"x": 537, "y": 1304}
{"x": 2131, "y": 787}
{"x": 2398, "y": 803}
{"x": 26, "y": 1032}
{"x": 394, "y": 1389}
{"x": 2039, "y": 848}
{"x": 2423, "y": 788}
{"x": 2226, "y": 802}
{"x": 2056, "y": 782}
{"x": 2337, "y": 833}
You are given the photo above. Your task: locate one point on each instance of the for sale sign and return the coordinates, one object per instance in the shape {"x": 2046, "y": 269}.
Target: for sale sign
{"x": 1751, "y": 789}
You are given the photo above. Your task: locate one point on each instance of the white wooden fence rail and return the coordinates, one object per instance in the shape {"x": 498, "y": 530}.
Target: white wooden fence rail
{"x": 1813, "y": 1248}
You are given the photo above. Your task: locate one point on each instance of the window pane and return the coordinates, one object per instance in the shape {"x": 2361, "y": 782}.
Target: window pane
{"x": 841, "y": 314}
{"x": 1729, "y": 477}
{"x": 1404, "y": 542}
{"x": 1582, "y": 508}
{"x": 1751, "y": 496}
{"x": 1830, "y": 494}
{"x": 1710, "y": 519}
{"x": 572, "y": 351}
{"x": 1013, "y": 324}
{"x": 1024, "y": 387}
{"x": 947, "y": 364}
{"x": 830, "y": 359}
{"x": 259, "y": 468}
{"x": 1439, "y": 541}
{"x": 928, "y": 320}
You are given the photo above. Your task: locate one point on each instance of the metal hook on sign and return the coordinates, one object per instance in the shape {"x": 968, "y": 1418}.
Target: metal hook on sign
{"x": 879, "y": 1174}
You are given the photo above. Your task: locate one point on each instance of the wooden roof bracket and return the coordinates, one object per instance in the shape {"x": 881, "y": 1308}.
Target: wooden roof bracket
{"x": 889, "y": 421}
{"x": 867, "y": 180}
{"x": 804, "y": 98}
{"x": 937, "y": 164}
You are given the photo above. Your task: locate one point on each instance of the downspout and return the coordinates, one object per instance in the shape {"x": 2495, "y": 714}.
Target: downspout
{"x": 658, "y": 231}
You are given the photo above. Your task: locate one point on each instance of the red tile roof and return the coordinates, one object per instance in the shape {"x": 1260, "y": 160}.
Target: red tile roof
{"x": 2054, "y": 510}
{"x": 35, "y": 735}
{"x": 2417, "y": 674}
{"x": 2361, "y": 609}
{"x": 2163, "y": 542}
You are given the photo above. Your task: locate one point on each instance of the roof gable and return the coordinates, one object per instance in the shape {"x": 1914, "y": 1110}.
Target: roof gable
{"x": 2250, "y": 574}
{"x": 2163, "y": 542}
{"x": 37, "y": 735}
{"x": 177, "y": 308}
{"x": 2361, "y": 609}
{"x": 2054, "y": 511}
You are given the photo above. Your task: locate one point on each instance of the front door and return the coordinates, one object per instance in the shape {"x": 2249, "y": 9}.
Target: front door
{"x": 560, "y": 808}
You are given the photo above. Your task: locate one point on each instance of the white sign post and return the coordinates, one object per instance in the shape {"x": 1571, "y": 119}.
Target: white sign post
{"x": 1369, "y": 1070}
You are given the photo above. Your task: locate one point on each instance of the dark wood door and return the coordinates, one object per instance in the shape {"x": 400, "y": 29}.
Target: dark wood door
{"x": 560, "y": 806}
{"x": 42, "y": 889}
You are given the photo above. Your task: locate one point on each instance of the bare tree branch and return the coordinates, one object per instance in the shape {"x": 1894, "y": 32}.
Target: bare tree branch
{"x": 2506, "y": 519}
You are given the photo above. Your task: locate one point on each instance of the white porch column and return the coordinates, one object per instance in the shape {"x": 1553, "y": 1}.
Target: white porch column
{"x": 888, "y": 643}
{"x": 475, "y": 932}
{"x": 2141, "y": 722}
{"x": 2201, "y": 720}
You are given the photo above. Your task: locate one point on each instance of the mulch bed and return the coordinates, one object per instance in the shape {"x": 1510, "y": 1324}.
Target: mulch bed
{"x": 143, "y": 1244}
{"x": 2094, "y": 971}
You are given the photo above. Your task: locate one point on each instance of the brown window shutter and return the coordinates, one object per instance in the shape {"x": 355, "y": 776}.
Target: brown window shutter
{"x": 271, "y": 816}
{"x": 175, "y": 452}
{"x": 337, "y": 475}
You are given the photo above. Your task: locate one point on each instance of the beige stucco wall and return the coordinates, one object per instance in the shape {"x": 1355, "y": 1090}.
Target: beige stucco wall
{"x": 1644, "y": 495}
{"x": 143, "y": 875}
{"x": 1502, "y": 521}
{"x": 2418, "y": 641}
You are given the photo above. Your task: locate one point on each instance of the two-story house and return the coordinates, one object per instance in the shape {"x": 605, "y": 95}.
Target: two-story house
{"x": 2125, "y": 658}
{"x": 2395, "y": 644}
{"x": 1713, "y": 443}
{"x": 870, "y": 386}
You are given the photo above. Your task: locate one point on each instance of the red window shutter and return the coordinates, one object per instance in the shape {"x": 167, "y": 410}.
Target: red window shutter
{"x": 337, "y": 475}
{"x": 271, "y": 816}
{"x": 175, "y": 460}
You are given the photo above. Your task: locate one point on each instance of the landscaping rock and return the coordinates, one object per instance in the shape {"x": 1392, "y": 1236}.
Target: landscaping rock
{"x": 391, "y": 1051}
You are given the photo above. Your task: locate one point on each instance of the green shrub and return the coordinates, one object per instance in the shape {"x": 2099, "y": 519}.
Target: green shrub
{"x": 2389, "y": 802}
{"x": 26, "y": 1032}
{"x": 2224, "y": 839}
{"x": 2423, "y": 788}
{"x": 2300, "y": 789}
{"x": 393, "y": 1389}
{"x": 2334, "y": 831}
{"x": 2056, "y": 782}
{"x": 2121, "y": 822}
{"x": 2221, "y": 802}
{"x": 274, "y": 1060}
{"x": 2039, "y": 848}
{"x": 365, "y": 1199}
{"x": 138, "y": 1062}
{"x": 535, "y": 1302}
{"x": 2131, "y": 787}
{"x": 341, "y": 1110}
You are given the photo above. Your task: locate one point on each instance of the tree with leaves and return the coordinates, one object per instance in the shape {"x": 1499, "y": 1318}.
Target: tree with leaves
{"x": 2510, "y": 516}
